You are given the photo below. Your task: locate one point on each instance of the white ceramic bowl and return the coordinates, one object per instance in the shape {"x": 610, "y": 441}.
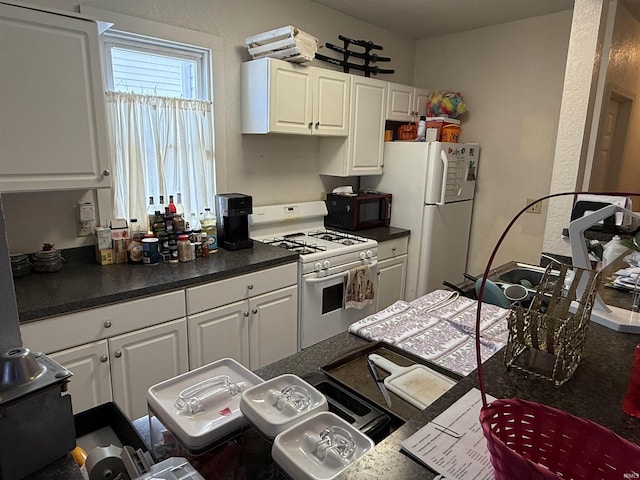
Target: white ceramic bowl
{"x": 276, "y": 404}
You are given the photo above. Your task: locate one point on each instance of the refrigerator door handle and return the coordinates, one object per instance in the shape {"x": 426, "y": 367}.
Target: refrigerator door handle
{"x": 445, "y": 162}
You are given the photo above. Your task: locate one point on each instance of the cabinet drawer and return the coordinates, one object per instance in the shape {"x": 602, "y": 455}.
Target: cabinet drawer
{"x": 392, "y": 248}
{"x": 233, "y": 289}
{"x": 67, "y": 331}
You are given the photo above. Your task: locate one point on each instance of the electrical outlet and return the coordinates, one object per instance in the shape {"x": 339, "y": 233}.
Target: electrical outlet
{"x": 535, "y": 208}
{"x": 85, "y": 229}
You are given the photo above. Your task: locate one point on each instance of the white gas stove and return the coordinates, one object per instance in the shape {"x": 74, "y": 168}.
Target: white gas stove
{"x": 325, "y": 261}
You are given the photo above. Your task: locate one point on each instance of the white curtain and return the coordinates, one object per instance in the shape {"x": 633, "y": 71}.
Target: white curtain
{"x": 162, "y": 146}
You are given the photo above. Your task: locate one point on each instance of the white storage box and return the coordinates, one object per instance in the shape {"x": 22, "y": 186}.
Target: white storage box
{"x": 200, "y": 408}
{"x": 275, "y": 405}
{"x": 285, "y": 43}
{"x": 319, "y": 448}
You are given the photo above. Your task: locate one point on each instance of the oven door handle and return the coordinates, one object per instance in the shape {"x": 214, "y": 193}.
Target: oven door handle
{"x": 334, "y": 276}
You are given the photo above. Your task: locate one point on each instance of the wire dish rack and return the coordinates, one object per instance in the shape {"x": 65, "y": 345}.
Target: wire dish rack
{"x": 547, "y": 338}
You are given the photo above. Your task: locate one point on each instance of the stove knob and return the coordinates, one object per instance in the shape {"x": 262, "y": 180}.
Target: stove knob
{"x": 363, "y": 255}
{"x": 326, "y": 264}
{"x": 317, "y": 267}
{"x": 369, "y": 254}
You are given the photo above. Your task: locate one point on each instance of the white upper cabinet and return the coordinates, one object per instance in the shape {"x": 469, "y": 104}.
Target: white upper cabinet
{"x": 52, "y": 126}
{"x": 283, "y": 97}
{"x": 362, "y": 152}
{"x": 406, "y": 103}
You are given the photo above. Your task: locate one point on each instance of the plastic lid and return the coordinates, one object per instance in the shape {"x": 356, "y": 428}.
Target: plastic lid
{"x": 183, "y": 237}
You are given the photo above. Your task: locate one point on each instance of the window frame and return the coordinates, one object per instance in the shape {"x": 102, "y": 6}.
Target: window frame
{"x": 215, "y": 89}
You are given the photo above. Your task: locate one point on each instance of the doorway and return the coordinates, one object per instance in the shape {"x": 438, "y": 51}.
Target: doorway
{"x": 609, "y": 153}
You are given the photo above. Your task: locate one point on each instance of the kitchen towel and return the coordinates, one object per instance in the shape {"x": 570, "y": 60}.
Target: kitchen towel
{"x": 359, "y": 291}
{"x": 439, "y": 327}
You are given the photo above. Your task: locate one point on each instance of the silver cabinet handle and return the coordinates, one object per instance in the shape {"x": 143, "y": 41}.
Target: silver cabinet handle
{"x": 118, "y": 354}
{"x": 104, "y": 359}
{"x": 246, "y": 314}
{"x": 393, "y": 249}
{"x": 250, "y": 286}
{"x": 317, "y": 125}
{"x": 310, "y": 125}
{"x": 107, "y": 324}
{"x": 254, "y": 311}
{"x": 106, "y": 172}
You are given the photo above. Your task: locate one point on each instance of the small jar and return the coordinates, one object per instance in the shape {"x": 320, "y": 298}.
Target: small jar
{"x": 184, "y": 248}
{"x": 46, "y": 261}
{"x": 173, "y": 249}
{"x": 20, "y": 265}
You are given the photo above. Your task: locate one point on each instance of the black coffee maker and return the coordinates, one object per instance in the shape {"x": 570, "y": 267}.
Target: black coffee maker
{"x": 232, "y": 218}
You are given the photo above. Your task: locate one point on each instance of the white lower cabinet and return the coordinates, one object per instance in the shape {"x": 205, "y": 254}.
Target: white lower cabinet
{"x": 251, "y": 318}
{"x": 123, "y": 368}
{"x": 90, "y": 384}
{"x": 143, "y": 358}
{"x": 116, "y": 352}
{"x": 392, "y": 272}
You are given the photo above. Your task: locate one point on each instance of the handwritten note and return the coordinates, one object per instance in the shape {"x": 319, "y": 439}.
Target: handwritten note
{"x": 453, "y": 444}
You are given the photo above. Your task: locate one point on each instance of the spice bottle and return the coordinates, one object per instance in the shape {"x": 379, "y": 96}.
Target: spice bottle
{"x": 134, "y": 250}
{"x": 184, "y": 248}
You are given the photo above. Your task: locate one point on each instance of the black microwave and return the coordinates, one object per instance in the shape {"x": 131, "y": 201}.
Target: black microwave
{"x": 358, "y": 211}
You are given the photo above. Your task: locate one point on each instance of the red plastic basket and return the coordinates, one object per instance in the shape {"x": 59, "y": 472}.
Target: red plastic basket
{"x": 531, "y": 441}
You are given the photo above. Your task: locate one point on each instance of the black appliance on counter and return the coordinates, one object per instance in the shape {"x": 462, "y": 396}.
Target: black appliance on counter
{"x": 356, "y": 211}
{"x": 36, "y": 419}
{"x": 232, "y": 218}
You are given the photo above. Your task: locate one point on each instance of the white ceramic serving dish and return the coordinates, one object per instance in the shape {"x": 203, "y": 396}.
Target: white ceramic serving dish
{"x": 275, "y": 405}
{"x": 301, "y": 452}
{"x": 220, "y": 415}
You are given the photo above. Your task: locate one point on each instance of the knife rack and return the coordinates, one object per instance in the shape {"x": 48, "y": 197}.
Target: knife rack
{"x": 367, "y": 57}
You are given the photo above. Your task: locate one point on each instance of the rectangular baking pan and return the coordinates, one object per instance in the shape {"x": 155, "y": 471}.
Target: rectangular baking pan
{"x": 350, "y": 370}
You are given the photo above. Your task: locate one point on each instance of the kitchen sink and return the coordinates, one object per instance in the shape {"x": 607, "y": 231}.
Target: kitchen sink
{"x": 528, "y": 276}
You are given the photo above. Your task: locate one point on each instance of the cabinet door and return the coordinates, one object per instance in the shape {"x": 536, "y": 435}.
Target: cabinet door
{"x": 52, "y": 127}
{"x": 273, "y": 326}
{"x": 366, "y": 139}
{"x": 219, "y": 333}
{"x": 400, "y": 102}
{"x": 90, "y": 384}
{"x": 290, "y": 98}
{"x": 391, "y": 281}
{"x": 143, "y": 358}
{"x": 330, "y": 102}
{"x": 421, "y": 96}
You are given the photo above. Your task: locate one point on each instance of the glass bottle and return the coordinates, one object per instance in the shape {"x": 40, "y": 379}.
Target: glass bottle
{"x": 161, "y": 206}
{"x": 210, "y": 229}
{"x": 172, "y": 206}
{"x": 151, "y": 212}
{"x": 134, "y": 250}
{"x": 179, "y": 206}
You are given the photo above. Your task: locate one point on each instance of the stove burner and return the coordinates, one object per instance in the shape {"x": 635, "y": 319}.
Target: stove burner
{"x": 297, "y": 246}
{"x": 337, "y": 237}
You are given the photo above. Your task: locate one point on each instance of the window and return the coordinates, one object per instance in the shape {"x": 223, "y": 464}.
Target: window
{"x": 160, "y": 114}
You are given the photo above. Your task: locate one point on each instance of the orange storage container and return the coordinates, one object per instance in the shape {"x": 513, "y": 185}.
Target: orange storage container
{"x": 450, "y": 133}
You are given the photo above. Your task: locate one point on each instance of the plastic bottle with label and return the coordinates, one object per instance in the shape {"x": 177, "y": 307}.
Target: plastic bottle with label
{"x": 134, "y": 250}
{"x": 422, "y": 129}
{"x": 210, "y": 229}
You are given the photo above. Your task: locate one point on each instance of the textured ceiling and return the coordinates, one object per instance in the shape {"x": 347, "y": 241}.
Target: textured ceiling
{"x": 432, "y": 18}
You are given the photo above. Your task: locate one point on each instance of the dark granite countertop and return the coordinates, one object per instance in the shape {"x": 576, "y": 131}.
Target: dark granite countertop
{"x": 82, "y": 283}
{"x": 595, "y": 391}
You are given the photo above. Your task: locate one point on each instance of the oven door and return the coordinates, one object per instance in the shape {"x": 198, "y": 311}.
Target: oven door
{"x": 322, "y": 307}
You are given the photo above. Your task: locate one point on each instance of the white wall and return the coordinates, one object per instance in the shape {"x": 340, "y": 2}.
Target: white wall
{"x": 273, "y": 169}
{"x": 511, "y": 78}
{"x": 624, "y": 72}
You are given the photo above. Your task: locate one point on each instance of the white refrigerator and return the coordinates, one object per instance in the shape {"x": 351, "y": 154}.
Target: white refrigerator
{"x": 433, "y": 186}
